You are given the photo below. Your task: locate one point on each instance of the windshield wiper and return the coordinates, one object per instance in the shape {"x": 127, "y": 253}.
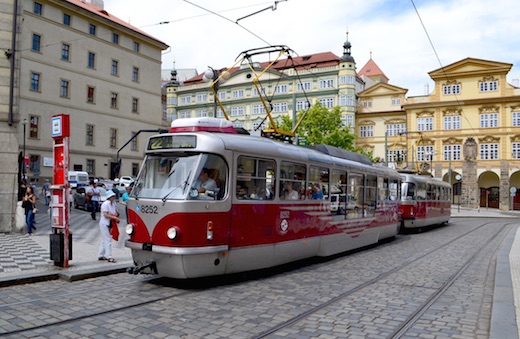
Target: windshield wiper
{"x": 184, "y": 183}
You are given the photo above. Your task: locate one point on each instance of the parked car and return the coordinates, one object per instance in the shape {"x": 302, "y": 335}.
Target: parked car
{"x": 80, "y": 198}
{"x": 127, "y": 180}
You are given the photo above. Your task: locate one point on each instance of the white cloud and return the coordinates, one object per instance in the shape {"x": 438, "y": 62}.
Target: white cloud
{"x": 391, "y": 29}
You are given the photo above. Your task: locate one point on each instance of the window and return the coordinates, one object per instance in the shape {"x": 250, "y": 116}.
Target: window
{"x": 327, "y": 102}
{"x": 113, "y": 100}
{"x": 201, "y": 97}
{"x": 425, "y": 153}
{"x": 65, "y": 52}
{"x": 135, "y": 105}
{"x": 115, "y": 66}
{"x": 135, "y": 169}
{"x": 91, "y": 63}
{"x": 367, "y": 103}
{"x": 34, "y": 163}
{"x": 348, "y": 119}
{"x": 34, "y": 127}
{"x": 113, "y": 138}
{"x": 516, "y": 119}
{"x": 303, "y": 86}
{"x": 488, "y": 86}
{"x": 66, "y": 19}
{"x": 346, "y": 100}
{"x": 201, "y": 113}
{"x": 397, "y": 156}
{"x": 38, "y": 8}
{"x": 489, "y": 120}
{"x": 452, "y": 152}
{"x": 115, "y": 38}
{"x": 255, "y": 91}
{"x": 393, "y": 130}
{"x": 258, "y": 109}
{"x": 184, "y": 115}
{"x": 326, "y": 83}
{"x": 222, "y": 95}
{"x": 318, "y": 183}
{"x": 237, "y": 111}
{"x": 136, "y": 47}
{"x": 186, "y": 99}
{"x": 424, "y": 124}
{"x": 451, "y": 89}
{"x": 279, "y": 107}
{"x": 135, "y": 74}
{"x": 91, "y": 166}
{"x": 451, "y": 122}
{"x": 35, "y": 82}
{"x": 92, "y": 29}
{"x": 355, "y": 195}
{"x": 255, "y": 179}
{"x": 366, "y": 131}
{"x": 488, "y": 151}
{"x": 89, "y": 135}
{"x": 302, "y": 105}
{"x": 396, "y": 101}
{"x": 90, "y": 94}
{"x": 134, "y": 143}
{"x": 516, "y": 150}
{"x": 278, "y": 89}
{"x": 36, "y": 42}
{"x": 64, "y": 89}
{"x": 237, "y": 93}
{"x": 292, "y": 181}
{"x": 220, "y": 114}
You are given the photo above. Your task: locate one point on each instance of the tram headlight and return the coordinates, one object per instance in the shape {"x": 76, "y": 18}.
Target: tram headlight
{"x": 129, "y": 229}
{"x": 172, "y": 232}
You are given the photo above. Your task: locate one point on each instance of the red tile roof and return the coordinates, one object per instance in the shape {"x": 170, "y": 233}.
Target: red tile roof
{"x": 299, "y": 63}
{"x": 371, "y": 69}
{"x": 102, "y": 13}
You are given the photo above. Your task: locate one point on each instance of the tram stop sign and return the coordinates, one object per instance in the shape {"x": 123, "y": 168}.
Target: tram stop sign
{"x": 512, "y": 190}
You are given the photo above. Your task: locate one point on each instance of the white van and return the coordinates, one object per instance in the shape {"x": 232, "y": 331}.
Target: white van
{"x": 78, "y": 179}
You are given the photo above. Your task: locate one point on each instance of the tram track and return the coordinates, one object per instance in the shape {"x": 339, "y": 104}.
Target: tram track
{"x": 412, "y": 319}
{"x": 147, "y": 297}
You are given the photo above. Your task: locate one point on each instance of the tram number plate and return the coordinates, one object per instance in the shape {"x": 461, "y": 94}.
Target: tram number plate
{"x": 149, "y": 209}
{"x": 147, "y": 247}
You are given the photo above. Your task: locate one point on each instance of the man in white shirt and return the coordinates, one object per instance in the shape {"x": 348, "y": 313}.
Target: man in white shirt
{"x": 205, "y": 183}
{"x": 94, "y": 199}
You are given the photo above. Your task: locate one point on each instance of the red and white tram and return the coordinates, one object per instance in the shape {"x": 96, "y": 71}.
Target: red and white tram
{"x": 425, "y": 201}
{"x": 209, "y": 201}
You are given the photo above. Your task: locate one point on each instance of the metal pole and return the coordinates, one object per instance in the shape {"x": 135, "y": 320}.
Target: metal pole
{"x": 449, "y": 176}
{"x": 24, "y": 123}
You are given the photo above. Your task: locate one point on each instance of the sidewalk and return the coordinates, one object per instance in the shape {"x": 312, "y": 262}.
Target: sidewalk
{"x": 26, "y": 259}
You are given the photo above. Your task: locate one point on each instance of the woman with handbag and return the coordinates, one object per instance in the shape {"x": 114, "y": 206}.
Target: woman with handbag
{"x": 108, "y": 214}
{"x": 28, "y": 203}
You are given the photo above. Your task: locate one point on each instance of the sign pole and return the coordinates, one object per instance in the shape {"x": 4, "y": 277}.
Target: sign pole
{"x": 60, "y": 241}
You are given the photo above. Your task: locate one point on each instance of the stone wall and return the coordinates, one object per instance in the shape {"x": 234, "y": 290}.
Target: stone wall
{"x": 469, "y": 190}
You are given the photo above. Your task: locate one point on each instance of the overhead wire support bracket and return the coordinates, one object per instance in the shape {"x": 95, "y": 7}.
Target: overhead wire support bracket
{"x": 273, "y": 7}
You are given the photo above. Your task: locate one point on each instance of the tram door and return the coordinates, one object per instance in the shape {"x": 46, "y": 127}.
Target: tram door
{"x": 489, "y": 197}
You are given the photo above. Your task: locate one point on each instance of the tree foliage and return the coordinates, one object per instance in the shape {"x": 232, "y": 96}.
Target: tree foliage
{"x": 323, "y": 126}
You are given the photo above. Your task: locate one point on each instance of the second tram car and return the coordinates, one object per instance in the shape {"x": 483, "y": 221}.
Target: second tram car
{"x": 425, "y": 201}
{"x": 214, "y": 203}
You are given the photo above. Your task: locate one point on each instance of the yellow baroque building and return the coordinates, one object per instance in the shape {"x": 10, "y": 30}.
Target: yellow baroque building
{"x": 466, "y": 131}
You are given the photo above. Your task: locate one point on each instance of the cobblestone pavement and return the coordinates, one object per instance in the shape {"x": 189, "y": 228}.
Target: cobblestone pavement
{"x": 248, "y": 305}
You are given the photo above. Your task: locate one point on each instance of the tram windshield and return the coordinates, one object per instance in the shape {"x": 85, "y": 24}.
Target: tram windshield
{"x": 408, "y": 191}
{"x": 181, "y": 176}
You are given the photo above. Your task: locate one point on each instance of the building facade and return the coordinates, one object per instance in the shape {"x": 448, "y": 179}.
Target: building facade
{"x": 290, "y": 86}
{"x": 75, "y": 58}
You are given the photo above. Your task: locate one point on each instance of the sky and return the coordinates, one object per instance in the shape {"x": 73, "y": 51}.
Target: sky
{"x": 406, "y": 38}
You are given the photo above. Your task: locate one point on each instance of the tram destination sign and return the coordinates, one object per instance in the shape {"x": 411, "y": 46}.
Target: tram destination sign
{"x": 172, "y": 141}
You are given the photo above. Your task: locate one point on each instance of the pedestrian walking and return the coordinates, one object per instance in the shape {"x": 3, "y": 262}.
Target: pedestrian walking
{"x": 29, "y": 203}
{"x": 94, "y": 195}
{"x": 108, "y": 214}
{"x": 47, "y": 192}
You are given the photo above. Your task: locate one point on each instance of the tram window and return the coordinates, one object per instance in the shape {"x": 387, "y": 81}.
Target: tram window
{"x": 370, "y": 196}
{"x": 394, "y": 189}
{"x": 355, "y": 195}
{"x": 292, "y": 181}
{"x": 318, "y": 188}
{"x": 421, "y": 191}
{"x": 409, "y": 191}
{"x": 338, "y": 182}
{"x": 255, "y": 179}
{"x": 382, "y": 189}
{"x": 210, "y": 181}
